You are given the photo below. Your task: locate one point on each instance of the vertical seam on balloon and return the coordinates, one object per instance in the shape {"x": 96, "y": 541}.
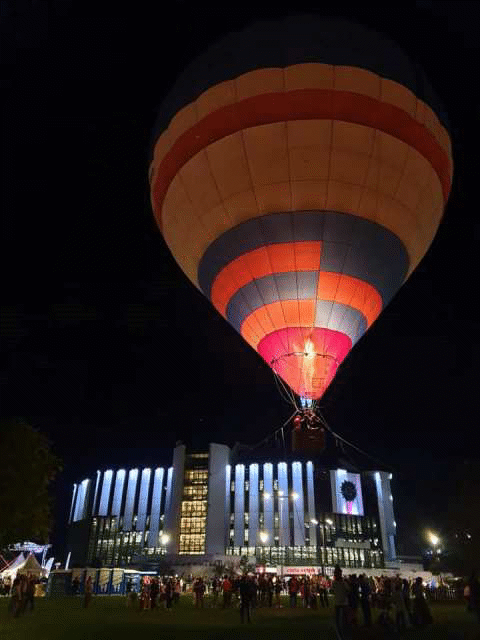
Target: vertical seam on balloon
{"x": 300, "y": 374}
{"x": 332, "y": 124}
{"x": 265, "y": 244}
{"x": 291, "y": 205}
{"x": 202, "y": 224}
{"x": 412, "y": 211}
{"x": 227, "y": 213}
{"x": 371, "y": 155}
{"x": 235, "y": 88}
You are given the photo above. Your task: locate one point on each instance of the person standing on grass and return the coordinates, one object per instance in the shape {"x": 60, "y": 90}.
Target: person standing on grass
{"x": 365, "y": 591}
{"x": 75, "y": 586}
{"x": 278, "y": 591}
{"x": 153, "y": 593}
{"x": 215, "y": 589}
{"x": 421, "y": 612}
{"x": 199, "y": 591}
{"x": 406, "y": 599}
{"x": 401, "y": 614}
{"x": 169, "y": 594}
{"x": 245, "y": 588}
{"x": 227, "y": 592}
{"x": 88, "y": 591}
{"x": 340, "y": 592}
{"x": 270, "y": 591}
{"x": 177, "y": 588}
{"x": 322, "y": 590}
{"x": 293, "y": 587}
{"x": 15, "y": 597}
{"x": 30, "y": 593}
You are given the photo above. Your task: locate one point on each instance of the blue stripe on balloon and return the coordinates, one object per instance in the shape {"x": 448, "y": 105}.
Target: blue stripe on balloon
{"x": 352, "y": 245}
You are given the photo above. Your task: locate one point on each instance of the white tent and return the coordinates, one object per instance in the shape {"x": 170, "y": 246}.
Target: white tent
{"x": 22, "y": 565}
{"x": 13, "y": 566}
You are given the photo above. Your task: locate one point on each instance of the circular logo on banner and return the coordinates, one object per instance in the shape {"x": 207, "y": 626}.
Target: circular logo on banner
{"x": 349, "y": 490}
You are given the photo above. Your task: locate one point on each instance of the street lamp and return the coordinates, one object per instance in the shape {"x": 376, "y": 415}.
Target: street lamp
{"x": 328, "y": 521}
{"x": 164, "y": 539}
{"x": 263, "y": 537}
{"x": 434, "y": 539}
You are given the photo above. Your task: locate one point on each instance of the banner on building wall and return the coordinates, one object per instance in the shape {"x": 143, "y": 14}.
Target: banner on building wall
{"x": 348, "y": 493}
{"x": 301, "y": 571}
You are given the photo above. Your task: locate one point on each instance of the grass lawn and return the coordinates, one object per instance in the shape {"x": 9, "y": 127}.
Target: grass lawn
{"x": 108, "y": 618}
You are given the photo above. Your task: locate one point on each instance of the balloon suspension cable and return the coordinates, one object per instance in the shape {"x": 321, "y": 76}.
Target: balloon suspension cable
{"x": 277, "y": 432}
{"x": 339, "y": 440}
{"x": 285, "y": 392}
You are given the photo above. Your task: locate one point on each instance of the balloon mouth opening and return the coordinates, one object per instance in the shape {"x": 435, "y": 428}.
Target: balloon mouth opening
{"x": 314, "y": 371}
{"x": 306, "y": 354}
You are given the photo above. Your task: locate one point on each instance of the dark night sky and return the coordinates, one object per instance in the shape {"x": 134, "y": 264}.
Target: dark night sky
{"x": 97, "y": 347}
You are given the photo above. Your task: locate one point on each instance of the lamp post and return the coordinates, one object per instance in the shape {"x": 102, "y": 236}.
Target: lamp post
{"x": 315, "y": 522}
{"x": 165, "y": 539}
{"x": 435, "y": 541}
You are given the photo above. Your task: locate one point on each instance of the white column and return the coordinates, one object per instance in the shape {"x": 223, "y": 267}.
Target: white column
{"x": 239, "y": 521}
{"x": 143, "y": 499}
{"x": 386, "y": 515}
{"x": 97, "y": 484}
{"x": 228, "y": 493}
{"x": 268, "y": 502}
{"x": 73, "y": 503}
{"x": 283, "y": 504}
{"x": 253, "y": 540}
{"x": 168, "y": 492}
{"x": 80, "y": 502}
{"x": 297, "y": 505}
{"x": 130, "y": 501}
{"x": 155, "y": 508}
{"x": 118, "y": 492}
{"x": 105, "y": 495}
{"x": 311, "y": 504}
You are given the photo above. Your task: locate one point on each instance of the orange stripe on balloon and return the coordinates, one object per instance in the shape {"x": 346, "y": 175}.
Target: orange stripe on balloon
{"x": 352, "y": 292}
{"x": 277, "y": 315}
{"x": 301, "y": 104}
{"x": 274, "y": 258}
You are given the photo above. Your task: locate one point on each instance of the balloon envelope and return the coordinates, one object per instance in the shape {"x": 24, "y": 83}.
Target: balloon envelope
{"x": 299, "y": 174}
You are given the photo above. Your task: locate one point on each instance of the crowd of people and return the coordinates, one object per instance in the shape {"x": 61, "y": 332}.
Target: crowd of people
{"x": 399, "y": 603}
{"x": 21, "y": 592}
{"x": 357, "y": 600}
{"x": 154, "y": 593}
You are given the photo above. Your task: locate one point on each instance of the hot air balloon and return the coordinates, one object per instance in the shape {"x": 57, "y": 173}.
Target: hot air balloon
{"x": 299, "y": 174}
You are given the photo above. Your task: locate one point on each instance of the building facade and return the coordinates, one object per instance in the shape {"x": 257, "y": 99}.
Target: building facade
{"x": 221, "y": 503}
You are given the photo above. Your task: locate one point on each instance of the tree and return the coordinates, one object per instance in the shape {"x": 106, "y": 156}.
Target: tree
{"x": 27, "y": 469}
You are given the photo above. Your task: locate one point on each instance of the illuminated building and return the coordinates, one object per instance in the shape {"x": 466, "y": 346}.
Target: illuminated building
{"x": 225, "y": 503}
